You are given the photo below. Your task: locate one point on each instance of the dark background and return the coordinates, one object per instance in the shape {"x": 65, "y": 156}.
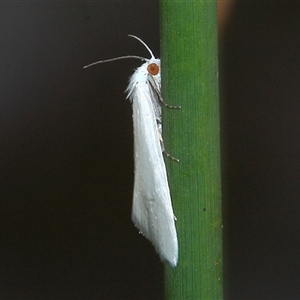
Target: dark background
{"x": 66, "y": 151}
{"x": 260, "y": 74}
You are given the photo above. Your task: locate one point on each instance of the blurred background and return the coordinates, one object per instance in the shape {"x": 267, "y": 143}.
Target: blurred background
{"x": 66, "y": 151}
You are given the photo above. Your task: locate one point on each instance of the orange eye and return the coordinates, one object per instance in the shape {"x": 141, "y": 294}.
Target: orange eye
{"x": 153, "y": 69}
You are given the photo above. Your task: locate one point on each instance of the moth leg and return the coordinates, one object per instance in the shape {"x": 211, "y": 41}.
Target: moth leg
{"x": 167, "y": 105}
{"x": 159, "y": 96}
{"x": 162, "y": 145}
{"x": 170, "y": 156}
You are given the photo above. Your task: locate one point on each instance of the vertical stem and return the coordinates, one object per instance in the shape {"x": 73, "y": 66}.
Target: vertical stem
{"x": 190, "y": 79}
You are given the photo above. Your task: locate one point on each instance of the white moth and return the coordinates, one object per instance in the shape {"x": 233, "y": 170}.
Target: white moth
{"x": 152, "y": 211}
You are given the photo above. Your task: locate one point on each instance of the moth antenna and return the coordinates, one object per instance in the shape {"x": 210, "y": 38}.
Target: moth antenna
{"x": 152, "y": 56}
{"x": 126, "y": 56}
{"x": 113, "y": 59}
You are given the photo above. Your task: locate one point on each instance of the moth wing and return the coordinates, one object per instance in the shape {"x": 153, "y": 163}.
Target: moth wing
{"x": 152, "y": 211}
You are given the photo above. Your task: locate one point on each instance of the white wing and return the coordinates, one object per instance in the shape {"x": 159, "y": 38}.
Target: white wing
{"x": 152, "y": 211}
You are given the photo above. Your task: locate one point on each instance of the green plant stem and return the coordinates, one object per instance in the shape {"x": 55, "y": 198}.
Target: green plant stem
{"x": 190, "y": 79}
